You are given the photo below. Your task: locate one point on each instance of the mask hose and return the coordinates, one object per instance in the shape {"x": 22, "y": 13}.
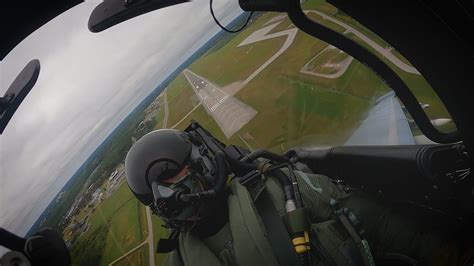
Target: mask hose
{"x": 219, "y": 185}
{"x": 295, "y": 219}
{"x": 240, "y": 167}
{"x": 265, "y": 154}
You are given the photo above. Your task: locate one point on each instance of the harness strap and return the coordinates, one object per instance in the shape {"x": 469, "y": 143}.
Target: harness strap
{"x": 276, "y": 231}
{"x": 362, "y": 244}
{"x": 167, "y": 245}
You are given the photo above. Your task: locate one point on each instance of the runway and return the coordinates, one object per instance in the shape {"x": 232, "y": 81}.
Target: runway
{"x": 229, "y": 113}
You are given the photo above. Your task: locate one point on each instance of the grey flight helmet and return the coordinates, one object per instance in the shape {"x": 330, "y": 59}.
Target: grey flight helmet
{"x": 157, "y": 156}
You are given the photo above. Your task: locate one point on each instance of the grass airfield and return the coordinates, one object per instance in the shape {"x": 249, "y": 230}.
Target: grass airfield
{"x": 293, "y": 108}
{"x": 330, "y": 109}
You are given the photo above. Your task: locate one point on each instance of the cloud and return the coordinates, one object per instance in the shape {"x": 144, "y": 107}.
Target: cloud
{"x": 88, "y": 84}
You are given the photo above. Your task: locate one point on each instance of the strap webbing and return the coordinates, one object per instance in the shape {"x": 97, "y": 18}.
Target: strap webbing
{"x": 276, "y": 231}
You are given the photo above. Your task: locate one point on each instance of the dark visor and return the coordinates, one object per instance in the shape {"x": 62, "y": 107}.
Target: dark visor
{"x": 163, "y": 170}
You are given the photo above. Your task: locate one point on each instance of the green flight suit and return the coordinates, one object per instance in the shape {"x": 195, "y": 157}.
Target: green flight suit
{"x": 243, "y": 241}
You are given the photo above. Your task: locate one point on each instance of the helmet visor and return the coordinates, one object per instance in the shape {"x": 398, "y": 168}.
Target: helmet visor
{"x": 163, "y": 171}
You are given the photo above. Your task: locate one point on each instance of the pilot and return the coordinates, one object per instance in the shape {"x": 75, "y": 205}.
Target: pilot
{"x": 235, "y": 222}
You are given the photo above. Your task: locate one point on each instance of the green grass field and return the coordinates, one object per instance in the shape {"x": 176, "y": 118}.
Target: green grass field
{"x": 108, "y": 207}
{"x": 242, "y": 60}
{"x": 89, "y": 250}
{"x": 225, "y": 63}
{"x": 318, "y": 4}
{"x": 275, "y": 95}
{"x": 124, "y": 232}
{"x": 181, "y": 99}
{"x": 293, "y": 108}
{"x": 205, "y": 120}
{"x": 136, "y": 258}
{"x": 298, "y": 119}
{"x": 125, "y": 222}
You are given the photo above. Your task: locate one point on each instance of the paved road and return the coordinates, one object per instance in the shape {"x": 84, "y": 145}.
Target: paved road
{"x": 151, "y": 243}
{"x": 385, "y": 52}
{"x": 230, "y": 114}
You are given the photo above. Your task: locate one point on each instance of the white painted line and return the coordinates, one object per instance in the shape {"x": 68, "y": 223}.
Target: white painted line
{"x": 129, "y": 252}
{"x": 222, "y": 106}
{"x": 200, "y": 96}
{"x": 223, "y": 98}
{"x": 260, "y": 35}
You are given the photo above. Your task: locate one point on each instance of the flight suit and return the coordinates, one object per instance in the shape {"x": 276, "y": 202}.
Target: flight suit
{"x": 244, "y": 241}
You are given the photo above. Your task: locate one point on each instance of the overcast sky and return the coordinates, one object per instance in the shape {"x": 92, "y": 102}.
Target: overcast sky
{"x": 88, "y": 84}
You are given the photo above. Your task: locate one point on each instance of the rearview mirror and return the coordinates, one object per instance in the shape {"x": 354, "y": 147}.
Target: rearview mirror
{"x": 113, "y": 12}
{"x": 17, "y": 92}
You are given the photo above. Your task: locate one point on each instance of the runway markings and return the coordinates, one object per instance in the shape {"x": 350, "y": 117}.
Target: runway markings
{"x": 229, "y": 113}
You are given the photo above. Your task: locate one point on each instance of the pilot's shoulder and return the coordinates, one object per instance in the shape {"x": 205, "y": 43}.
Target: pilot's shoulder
{"x": 310, "y": 183}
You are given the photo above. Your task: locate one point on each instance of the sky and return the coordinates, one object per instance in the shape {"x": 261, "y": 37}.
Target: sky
{"x": 88, "y": 83}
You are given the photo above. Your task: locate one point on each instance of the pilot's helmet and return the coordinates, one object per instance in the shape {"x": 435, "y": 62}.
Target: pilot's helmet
{"x": 157, "y": 156}
{"x": 163, "y": 168}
